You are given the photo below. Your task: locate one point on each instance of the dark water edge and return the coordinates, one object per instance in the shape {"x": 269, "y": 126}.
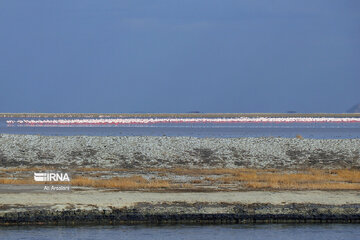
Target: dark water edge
{"x": 249, "y": 231}
{"x": 190, "y": 213}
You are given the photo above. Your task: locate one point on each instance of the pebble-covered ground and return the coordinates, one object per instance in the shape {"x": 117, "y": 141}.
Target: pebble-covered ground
{"x": 184, "y": 152}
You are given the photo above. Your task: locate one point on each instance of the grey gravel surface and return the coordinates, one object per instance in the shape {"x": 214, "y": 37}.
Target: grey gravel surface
{"x": 188, "y": 152}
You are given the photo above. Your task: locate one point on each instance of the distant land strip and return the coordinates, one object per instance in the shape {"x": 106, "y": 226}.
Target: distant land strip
{"x": 172, "y": 115}
{"x": 129, "y": 121}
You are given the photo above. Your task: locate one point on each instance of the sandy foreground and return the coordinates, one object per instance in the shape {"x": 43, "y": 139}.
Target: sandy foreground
{"x": 104, "y": 198}
{"x": 129, "y": 207}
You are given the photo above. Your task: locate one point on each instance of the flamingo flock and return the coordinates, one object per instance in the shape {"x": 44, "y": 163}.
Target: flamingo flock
{"x": 142, "y": 121}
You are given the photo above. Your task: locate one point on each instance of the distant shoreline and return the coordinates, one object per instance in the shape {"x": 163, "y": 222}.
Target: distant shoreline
{"x": 172, "y": 115}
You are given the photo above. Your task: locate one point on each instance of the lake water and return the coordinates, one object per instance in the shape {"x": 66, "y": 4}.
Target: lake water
{"x": 307, "y": 130}
{"x": 206, "y": 232}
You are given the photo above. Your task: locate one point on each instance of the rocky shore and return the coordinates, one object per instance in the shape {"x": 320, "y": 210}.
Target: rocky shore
{"x": 186, "y": 213}
{"x": 169, "y": 152}
{"x": 154, "y": 208}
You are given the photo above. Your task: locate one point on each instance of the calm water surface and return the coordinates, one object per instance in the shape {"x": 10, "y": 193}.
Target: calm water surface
{"x": 307, "y": 130}
{"x": 206, "y": 232}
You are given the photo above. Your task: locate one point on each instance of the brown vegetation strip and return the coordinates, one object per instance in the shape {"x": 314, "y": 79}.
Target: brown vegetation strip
{"x": 310, "y": 179}
{"x": 223, "y": 178}
{"x": 122, "y": 183}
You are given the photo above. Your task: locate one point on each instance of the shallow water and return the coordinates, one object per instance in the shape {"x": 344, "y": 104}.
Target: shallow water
{"x": 206, "y": 232}
{"x": 307, "y": 130}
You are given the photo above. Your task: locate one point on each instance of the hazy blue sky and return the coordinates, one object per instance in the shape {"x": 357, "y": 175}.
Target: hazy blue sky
{"x": 179, "y": 56}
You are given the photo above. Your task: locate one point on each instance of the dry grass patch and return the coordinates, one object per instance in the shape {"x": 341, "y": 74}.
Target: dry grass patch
{"x": 25, "y": 181}
{"x": 298, "y": 136}
{"x": 306, "y": 179}
{"x": 309, "y": 179}
{"x": 209, "y": 179}
{"x": 121, "y": 183}
{"x": 16, "y": 181}
{"x": 221, "y": 179}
